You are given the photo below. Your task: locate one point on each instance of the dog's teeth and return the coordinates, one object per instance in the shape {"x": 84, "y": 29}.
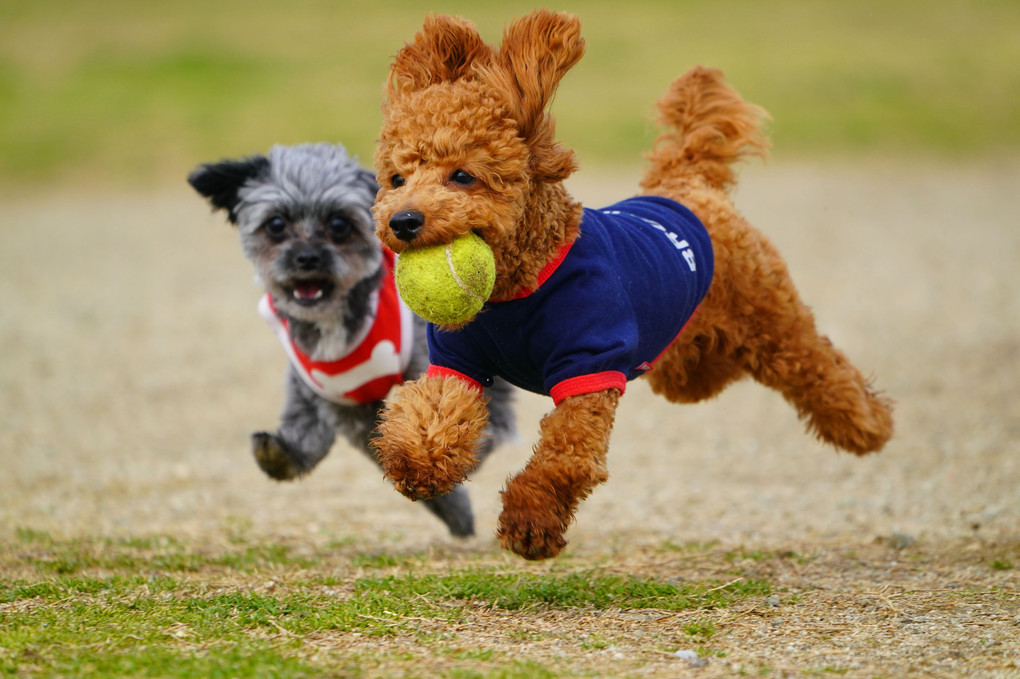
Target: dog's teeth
{"x": 308, "y": 293}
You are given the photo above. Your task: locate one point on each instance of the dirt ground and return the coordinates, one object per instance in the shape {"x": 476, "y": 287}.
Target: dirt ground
{"x": 134, "y": 366}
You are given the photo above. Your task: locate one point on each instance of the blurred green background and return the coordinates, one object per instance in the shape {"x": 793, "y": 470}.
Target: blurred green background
{"x": 115, "y": 93}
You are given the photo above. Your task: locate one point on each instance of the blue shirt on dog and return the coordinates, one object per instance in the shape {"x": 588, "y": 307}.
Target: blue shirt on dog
{"x": 602, "y": 312}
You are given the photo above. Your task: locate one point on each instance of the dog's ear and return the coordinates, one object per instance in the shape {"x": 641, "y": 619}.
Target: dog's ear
{"x": 537, "y": 51}
{"x": 220, "y": 182}
{"x": 446, "y": 49}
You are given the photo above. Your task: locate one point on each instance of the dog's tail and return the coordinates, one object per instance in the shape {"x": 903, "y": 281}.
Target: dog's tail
{"x": 710, "y": 127}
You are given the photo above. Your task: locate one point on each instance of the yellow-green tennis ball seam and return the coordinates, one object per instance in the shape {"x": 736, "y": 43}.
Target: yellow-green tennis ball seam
{"x": 447, "y": 284}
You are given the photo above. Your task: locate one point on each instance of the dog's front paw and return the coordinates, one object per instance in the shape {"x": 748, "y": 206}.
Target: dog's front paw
{"x": 420, "y": 477}
{"x": 532, "y": 537}
{"x": 428, "y": 436}
{"x": 530, "y": 524}
{"x": 274, "y": 458}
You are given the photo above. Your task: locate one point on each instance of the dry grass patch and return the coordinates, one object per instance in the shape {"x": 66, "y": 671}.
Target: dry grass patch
{"x": 163, "y": 607}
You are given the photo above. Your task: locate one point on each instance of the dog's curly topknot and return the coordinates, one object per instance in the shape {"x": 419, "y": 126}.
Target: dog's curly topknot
{"x": 446, "y": 49}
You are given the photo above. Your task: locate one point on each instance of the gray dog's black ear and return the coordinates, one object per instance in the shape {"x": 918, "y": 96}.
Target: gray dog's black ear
{"x": 220, "y": 182}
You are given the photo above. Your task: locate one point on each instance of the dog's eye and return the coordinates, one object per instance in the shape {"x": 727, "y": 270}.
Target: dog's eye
{"x": 276, "y": 227}
{"x": 397, "y": 181}
{"x": 461, "y": 177}
{"x": 339, "y": 227}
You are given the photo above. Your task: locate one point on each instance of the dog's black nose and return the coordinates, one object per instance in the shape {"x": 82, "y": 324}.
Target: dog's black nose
{"x": 406, "y": 224}
{"x": 307, "y": 260}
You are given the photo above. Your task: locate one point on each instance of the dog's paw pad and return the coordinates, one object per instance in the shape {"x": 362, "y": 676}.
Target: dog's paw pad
{"x": 532, "y": 544}
{"x": 419, "y": 491}
{"x": 273, "y": 458}
{"x": 536, "y": 547}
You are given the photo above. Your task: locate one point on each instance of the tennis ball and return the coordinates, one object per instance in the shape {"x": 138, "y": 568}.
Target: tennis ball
{"x": 447, "y": 284}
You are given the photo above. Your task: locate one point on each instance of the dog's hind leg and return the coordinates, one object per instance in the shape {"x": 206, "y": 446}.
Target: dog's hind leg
{"x": 771, "y": 336}
{"x": 836, "y": 400}
{"x": 454, "y": 509}
{"x": 692, "y": 369}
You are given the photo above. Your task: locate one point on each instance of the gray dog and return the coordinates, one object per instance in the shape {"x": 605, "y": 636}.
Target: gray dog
{"x": 303, "y": 214}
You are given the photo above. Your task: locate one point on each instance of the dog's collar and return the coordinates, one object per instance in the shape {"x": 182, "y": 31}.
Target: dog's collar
{"x": 373, "y": 364}
{"x": 547, "y": 271}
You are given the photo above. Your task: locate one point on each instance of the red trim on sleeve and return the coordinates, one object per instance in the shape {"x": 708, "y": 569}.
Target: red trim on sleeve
{"x": 587, "y": 384}
{"x": 440, "y": 371}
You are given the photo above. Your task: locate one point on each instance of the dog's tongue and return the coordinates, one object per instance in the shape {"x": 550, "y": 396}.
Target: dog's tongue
{"x": 308, "y": 291}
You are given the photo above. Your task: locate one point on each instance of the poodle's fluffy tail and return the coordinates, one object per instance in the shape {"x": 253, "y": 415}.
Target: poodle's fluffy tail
{"x": 710, "y": 128}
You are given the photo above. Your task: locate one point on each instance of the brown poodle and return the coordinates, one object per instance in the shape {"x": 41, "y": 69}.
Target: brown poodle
{"x": 467, "y": 145}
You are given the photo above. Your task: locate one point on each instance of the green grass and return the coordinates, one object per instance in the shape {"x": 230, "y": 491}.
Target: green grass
{"x": 703, "y": 629}
{"x": 157, "y": 607}
{"x": 140, "y": 92}
{"x": 156, "y": 554}
{"x": 571, "y": 590}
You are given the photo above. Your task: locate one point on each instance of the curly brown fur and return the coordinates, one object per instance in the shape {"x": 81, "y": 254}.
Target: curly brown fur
{"x": 467, "y": 145}
{"x": 483, "y": 112}
{"x": 752, "y": 321}
{"x": 568, "y": 462}
{"x": 429, "y": 436}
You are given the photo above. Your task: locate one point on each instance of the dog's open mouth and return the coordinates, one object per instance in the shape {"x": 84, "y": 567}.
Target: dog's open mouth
{"x": 310, "y": 292}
